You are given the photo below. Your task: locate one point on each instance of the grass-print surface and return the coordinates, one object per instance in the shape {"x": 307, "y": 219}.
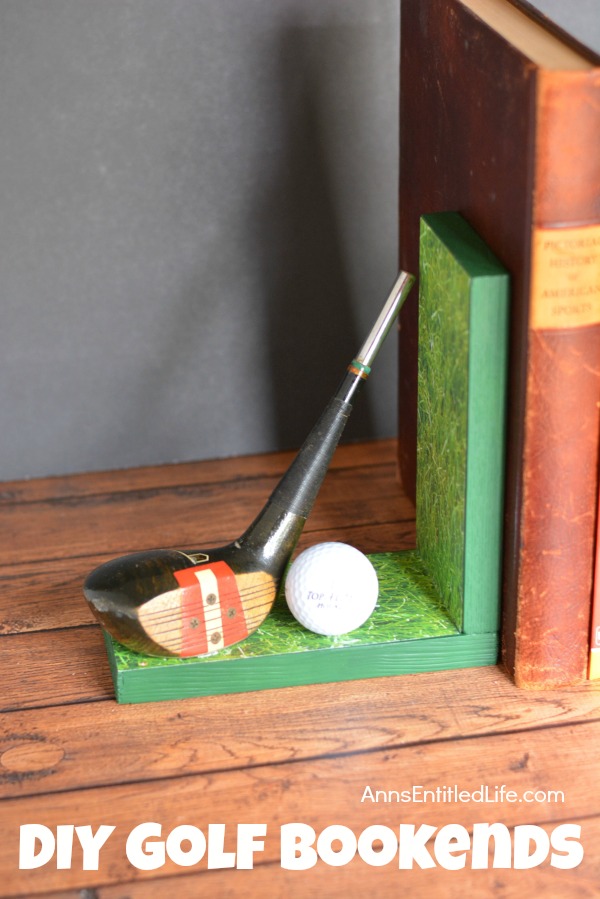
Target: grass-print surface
{"x": 442, "y": 418}
{"x": 408, "y": 608}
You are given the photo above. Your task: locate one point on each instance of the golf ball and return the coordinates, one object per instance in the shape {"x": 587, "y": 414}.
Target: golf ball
{"x": 331, "y": 588}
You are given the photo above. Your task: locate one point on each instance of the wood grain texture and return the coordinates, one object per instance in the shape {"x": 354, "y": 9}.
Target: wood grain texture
{"x": 273, "y": 465}
{"x": 303, "y": 792}
{"x": 53, "y": 668}
{"x": 70, "y": 754}
{"x": 356, "y": 879}
{"x": 87, "y": 519}
{"x": 47, "y": 594}
{"x": 193, "y": 737}
{"x": 108, "y": 524}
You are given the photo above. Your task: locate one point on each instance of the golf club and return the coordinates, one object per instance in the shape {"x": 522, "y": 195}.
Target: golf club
{"x": 174, "y": 603}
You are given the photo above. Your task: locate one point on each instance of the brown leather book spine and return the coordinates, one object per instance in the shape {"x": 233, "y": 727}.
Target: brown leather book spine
{"x": 551, "y": 536}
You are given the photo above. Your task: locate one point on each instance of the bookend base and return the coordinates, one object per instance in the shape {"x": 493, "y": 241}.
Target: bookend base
{"x": 409, "y": 632}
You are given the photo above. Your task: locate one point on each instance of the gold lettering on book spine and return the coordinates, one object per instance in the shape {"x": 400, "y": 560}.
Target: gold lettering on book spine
{"x": 565, "y": 277}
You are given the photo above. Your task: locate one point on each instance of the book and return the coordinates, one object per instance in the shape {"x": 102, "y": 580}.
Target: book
{"x": 500, "y": 120}
{"x": 438, "y": 605}
{"x": 594, "y": 660}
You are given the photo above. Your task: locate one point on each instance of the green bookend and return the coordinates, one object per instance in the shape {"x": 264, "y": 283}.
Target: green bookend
{"x": 463, "y": 321}
{"x": 438, "y": 605}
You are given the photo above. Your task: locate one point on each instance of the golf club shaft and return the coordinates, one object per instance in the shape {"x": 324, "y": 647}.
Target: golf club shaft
{"x": 296, "y": 493}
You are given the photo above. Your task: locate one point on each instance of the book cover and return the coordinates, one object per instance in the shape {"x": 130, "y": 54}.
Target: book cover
{"x": 500, "y": 120}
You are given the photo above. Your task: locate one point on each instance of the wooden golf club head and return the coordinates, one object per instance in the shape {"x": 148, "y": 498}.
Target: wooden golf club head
{"x": 175, "y": 603}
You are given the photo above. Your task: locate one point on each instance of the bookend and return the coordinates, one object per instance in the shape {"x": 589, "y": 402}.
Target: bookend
{"x": 439, "y": 605}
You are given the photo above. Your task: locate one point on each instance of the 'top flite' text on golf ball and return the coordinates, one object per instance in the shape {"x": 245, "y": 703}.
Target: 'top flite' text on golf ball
{"x": 331, "y": 588}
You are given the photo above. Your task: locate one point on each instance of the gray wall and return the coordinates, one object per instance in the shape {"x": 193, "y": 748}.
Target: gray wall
{"x": 198, "y": 223}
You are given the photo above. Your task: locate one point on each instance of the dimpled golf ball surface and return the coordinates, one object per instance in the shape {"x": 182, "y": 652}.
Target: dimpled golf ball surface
{"x": 331, "y": 588}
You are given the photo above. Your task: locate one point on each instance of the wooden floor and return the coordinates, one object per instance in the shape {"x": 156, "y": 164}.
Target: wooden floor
{"x": 70, "y": 755}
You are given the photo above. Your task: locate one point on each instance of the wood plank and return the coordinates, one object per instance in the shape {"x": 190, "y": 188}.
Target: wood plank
{"x": 47, "y": 594}
{"x": 53, "y": 668}
{"x": 191, "y": 516}
{"x": 360, "y": 879}
{"x": 318, "y": 792}
{"x": 48, "y": 750}
{"x": 376, "y": 452}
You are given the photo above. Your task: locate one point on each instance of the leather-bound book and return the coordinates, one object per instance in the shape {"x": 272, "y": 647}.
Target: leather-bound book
{"x": 500, "y": 121}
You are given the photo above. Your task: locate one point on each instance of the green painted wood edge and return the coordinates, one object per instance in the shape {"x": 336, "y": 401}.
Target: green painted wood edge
{"x": 485, "y": 467}
{"x": 472, "y": 253}
{"x": 488, "y": 297}
{"x": 344, "y": 663}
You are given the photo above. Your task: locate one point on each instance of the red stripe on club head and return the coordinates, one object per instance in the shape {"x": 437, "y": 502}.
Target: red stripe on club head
{"x": 227, "y": 623}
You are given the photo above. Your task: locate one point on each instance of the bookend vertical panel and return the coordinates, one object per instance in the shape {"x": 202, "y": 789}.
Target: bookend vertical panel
{"x": 463, "y": 324}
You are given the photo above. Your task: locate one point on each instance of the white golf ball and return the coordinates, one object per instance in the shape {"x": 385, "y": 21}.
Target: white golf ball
{"x": 331, "y": 588}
